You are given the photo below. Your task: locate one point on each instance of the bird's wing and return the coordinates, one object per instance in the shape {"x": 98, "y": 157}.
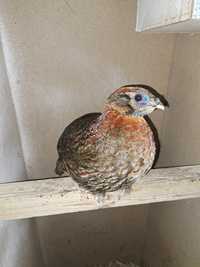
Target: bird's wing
{"x": 73, "y": 134}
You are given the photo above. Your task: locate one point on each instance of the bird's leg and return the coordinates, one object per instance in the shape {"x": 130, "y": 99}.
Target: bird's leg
{"x": 100, "y": 199}
{"x": 120, "y": 194}
{"x": 124, "y": 190}
{"x": 127, "y": 188}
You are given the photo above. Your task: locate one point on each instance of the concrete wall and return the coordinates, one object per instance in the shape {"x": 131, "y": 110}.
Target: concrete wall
{"x": 16, "y": 250}
{"x": 63, "y": 59}
{"x": 173, "y": 237}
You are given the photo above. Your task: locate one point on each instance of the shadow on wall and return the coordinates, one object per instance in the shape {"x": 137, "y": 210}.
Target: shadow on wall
{"x": 97, "y": 237}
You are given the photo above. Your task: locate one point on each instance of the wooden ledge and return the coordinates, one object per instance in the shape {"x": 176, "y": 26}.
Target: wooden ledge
{"x": 62, "y": 195}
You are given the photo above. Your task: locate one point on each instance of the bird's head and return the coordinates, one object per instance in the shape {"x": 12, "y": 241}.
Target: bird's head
{"x": 136, "y": 100}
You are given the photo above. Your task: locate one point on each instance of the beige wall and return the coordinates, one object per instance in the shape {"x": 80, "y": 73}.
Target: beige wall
{"x": 16, "y": 250}
{"x": 63, "y": 59}
{"x": 173, "y": 237}
{"x": 181, "y": 132}
{"x": 12, "y": 165}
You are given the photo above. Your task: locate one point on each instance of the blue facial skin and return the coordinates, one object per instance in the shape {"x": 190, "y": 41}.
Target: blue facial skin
{"x": 142, "y": 99}
{"x": 145, "y": 99}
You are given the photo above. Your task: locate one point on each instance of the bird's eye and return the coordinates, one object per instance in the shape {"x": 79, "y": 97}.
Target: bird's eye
{"x": 138, "y": 97}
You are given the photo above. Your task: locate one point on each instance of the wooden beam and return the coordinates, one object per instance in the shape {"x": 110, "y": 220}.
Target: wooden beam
{"x": 62, "y": 195}
{"x": 168, "y": 16}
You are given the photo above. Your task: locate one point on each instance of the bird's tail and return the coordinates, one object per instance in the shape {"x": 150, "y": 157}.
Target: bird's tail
{"x": 60, "y": 167}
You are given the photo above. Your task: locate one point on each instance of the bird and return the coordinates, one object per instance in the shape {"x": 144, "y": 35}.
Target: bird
{"x": 109, "y": 150}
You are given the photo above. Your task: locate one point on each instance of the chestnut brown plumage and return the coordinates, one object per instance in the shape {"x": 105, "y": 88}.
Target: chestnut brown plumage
{"x": 109, "y": 150}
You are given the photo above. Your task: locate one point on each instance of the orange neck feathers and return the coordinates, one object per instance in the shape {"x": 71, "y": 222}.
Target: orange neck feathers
{"x": 112, "y": 119}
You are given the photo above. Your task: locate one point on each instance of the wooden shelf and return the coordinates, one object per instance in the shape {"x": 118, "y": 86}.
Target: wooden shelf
{"x": 168, "y": 16}
{"x": 62, "y": 195}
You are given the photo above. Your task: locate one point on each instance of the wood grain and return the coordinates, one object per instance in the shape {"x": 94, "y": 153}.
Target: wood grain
{"x": 61, "y": 195}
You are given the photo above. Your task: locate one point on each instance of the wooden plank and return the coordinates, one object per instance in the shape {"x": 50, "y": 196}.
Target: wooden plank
{"x": 168, "y": 16}
{"x": 62, "y": 195}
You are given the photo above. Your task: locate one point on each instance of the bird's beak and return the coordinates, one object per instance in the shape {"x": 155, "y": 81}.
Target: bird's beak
{"x": 159, "y": 104}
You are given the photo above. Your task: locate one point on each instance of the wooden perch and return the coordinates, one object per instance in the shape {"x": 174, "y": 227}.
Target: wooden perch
{"x": 61, "y": 195}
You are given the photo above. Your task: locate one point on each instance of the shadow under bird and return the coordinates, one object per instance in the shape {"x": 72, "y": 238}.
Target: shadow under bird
{"x": 111, "y": 150}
